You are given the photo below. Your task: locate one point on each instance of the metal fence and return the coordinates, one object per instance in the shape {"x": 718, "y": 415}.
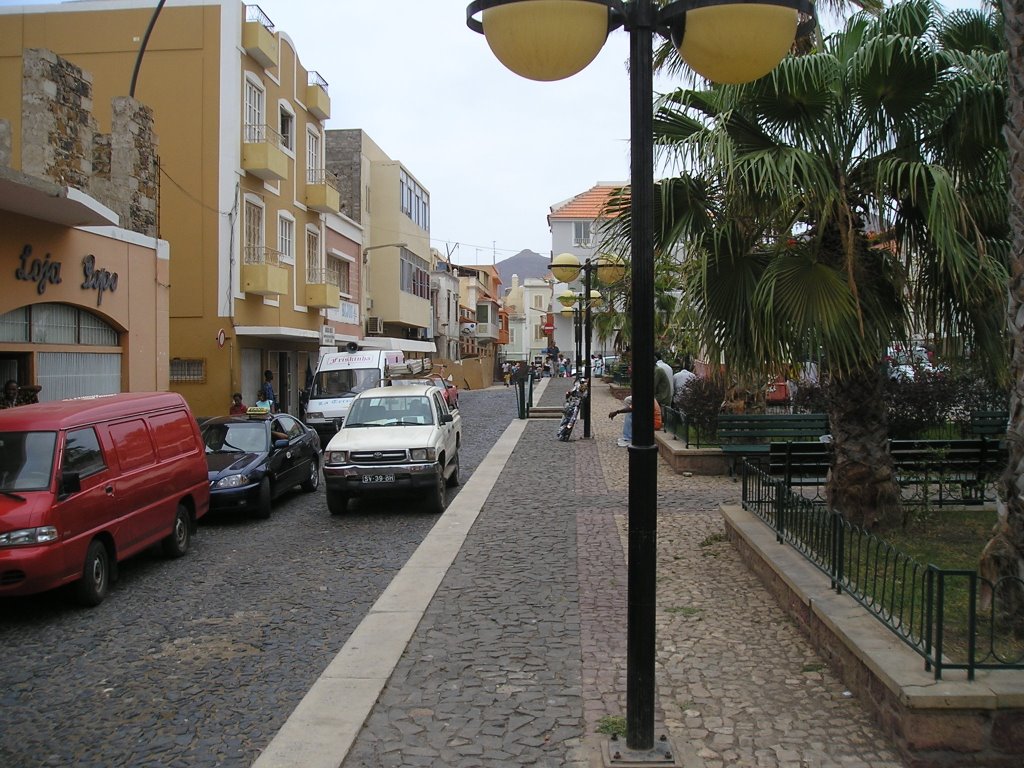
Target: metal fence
{"x": 937, "y": 612}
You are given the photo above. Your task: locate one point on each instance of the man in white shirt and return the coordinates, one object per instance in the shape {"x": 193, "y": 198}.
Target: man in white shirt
{"x": 679, "y": 382}
{"x": 663, "y": 365}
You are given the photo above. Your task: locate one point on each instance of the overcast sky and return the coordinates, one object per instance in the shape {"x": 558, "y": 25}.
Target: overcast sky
{"x": 495, "y": 151}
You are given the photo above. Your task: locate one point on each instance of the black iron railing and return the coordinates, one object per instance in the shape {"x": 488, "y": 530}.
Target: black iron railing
{"x": 937, "y": 612}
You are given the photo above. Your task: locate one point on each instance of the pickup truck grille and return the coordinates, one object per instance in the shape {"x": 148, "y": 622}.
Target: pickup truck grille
{"x": 378, "y": 457}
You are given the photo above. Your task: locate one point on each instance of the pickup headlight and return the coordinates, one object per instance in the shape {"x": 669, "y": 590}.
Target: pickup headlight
{"x": 336, "y": 457}
{"x": 314, "y": 415}
{"x": 232, "y": 481}
{"x": 423, "y": 454}
{"x": 28, "y": 536}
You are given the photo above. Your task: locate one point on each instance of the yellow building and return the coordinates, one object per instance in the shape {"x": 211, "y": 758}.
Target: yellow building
{"x": 243, "y": 185}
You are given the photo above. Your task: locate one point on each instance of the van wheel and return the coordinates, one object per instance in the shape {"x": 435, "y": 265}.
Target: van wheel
{"x": 263, "y": 500}
{"x": 453, "y": 478}
{"x": 313, "y": 482}
{"x": 176, "y": 543}
{"x": 437, "y": 495}
{"x": 95, "y": 582}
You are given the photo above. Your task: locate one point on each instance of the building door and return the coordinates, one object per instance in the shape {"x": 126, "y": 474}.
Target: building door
{"x": 252, "y": 376}
{"x": 286, "y": 395}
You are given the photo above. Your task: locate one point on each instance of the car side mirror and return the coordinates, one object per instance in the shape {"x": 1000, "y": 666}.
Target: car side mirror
{"x": 70, "y": 482}
{"x": 447, "y": 418}
{"x": 281, "y": 443}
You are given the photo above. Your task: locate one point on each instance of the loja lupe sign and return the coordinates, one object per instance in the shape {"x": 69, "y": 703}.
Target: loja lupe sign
{"x": 44, "y": 272}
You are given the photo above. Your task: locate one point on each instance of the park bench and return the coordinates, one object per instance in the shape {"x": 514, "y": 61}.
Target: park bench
{"x": 800, "y": 463}
{"x": 989, "y": 423}
{"x": 741, "y": 435}
{"x": 967, "y": 465}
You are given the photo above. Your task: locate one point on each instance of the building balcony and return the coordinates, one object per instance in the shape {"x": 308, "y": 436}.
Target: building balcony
{"x": 322, "y": 191}
{"x": 258, "y": 38}
{"x": 486, "y": 332}
{"x": 322, "y": 288}
{"x": 317, "y": 101}
{"x": 261, "y": 273}
{"x": 262, "y": 153}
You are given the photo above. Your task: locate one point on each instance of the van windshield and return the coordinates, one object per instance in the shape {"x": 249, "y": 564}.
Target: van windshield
{"x": 346, "y": 382}
{"x": 26, "y": 460}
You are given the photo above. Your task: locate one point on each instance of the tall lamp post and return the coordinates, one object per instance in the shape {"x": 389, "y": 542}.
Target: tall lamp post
{"x": 726, "y": 41}
{"x": 566, "y": 267}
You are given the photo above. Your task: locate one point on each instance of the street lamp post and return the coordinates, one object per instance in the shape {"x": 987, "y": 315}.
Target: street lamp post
{"x": 727, "y": 41}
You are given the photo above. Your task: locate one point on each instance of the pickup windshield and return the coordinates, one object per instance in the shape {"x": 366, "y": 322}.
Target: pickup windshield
{"x": 348, "y": 381}
{"x": 26, "y": 460}
{"x": 389, "y": 411}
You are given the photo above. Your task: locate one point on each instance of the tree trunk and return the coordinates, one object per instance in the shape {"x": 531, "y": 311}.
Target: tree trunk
{"x": 862, "y": 484}
{"x": 1003, "y": 556}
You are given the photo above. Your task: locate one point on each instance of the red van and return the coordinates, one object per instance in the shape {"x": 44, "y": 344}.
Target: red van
{"x": 85, "y": 483}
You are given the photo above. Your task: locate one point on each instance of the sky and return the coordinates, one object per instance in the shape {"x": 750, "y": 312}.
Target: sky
{"x": 495, "y": 151}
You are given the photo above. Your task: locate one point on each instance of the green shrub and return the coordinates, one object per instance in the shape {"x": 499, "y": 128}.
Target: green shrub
{"x": 701, "y": 401}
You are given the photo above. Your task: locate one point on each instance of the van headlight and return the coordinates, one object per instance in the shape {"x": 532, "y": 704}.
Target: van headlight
{"x": 231, "y": 481}
{"x": 28, "y": 536}
{"x": 336, "y": 457}
{"x": 423, "y": 454}
{"x": 314, "y": 415}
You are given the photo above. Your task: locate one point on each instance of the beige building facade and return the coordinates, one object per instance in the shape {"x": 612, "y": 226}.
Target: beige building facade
{"x": 243, "y": 190}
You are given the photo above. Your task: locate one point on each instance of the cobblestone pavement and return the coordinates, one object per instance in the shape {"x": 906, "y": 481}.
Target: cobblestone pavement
{"x": 197, "y": 662}
{"x": 521, "y": 653}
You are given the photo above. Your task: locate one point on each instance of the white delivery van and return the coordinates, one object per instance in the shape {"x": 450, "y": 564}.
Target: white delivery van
{"x": 340, "y": 376}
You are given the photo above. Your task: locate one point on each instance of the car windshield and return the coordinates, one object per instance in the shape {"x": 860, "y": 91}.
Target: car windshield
{"x": 349, "y": 381}
{"x": 236, "y": 437}
{"x": 26, "y": 460}
{"x": 389, "y": 411}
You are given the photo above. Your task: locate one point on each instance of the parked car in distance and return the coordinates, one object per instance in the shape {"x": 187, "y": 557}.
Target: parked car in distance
{"x": 88, "y": 482}
{"x": 396, "y": 440}
{"x": 449, "y": 390}
{"x": 254, "y": 458}
{"x": 904, "y": 362}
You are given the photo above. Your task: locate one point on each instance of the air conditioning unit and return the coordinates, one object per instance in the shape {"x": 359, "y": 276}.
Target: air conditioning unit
{"x": 375, "y": 325}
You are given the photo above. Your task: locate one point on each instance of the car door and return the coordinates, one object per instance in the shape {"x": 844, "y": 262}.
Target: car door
{"x": 93, "y": 507}
{"x": 291, "y": 468}
{"x": 447, "y": 429}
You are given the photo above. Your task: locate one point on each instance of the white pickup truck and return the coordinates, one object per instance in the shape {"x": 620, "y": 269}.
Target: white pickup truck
{"x": 395, "y": 440}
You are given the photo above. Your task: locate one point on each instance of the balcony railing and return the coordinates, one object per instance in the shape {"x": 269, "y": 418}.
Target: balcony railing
{"x": 321, "y": 176}
{"x": 316, "y": 79}
{"x": 322, "y": 276}
{"x": 256, "y": 14}
{"x": 261, "y": 254}
{"x": 261, "y": 133}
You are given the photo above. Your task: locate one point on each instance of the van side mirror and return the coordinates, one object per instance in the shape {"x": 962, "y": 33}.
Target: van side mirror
{"x": 70, "y": 482}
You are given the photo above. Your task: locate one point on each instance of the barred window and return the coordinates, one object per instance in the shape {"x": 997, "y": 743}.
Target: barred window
{"x": 191, "y": 370}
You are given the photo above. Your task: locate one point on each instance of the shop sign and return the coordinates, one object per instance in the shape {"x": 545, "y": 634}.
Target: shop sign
{"x": 44, "y": 272}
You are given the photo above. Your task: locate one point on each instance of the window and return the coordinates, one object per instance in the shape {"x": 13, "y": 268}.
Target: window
{"x": 56, "y": 324}
{"x": 82, "y": 452}
{"x": 184, "y": 370}
{"x": 483, "y": 313}
{"x": 313, "y": 162}
{"x": 538, "y": 302}
{"x": 254, "y": 253}
{"x": 415, "y": 277}
{"x": 313, "y": 260}
{"x": 415, "y": 200}
{"x": 287, "y": 129}
{"x": 581, "y": 233}
{"x": 286, "y": 239}
{"x": 255, "y": 112}
{"x": 341, "y": 268}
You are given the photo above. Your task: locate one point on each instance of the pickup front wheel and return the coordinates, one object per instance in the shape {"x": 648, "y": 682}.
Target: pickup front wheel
{"x": 437, "y": 495}
{"x": 337, "y": 502}
{"x": 453, "y": 478}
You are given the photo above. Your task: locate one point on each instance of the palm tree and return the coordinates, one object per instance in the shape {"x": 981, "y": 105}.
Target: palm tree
{"x": 1003, "y": 559}
{"x": 857, "y": 186}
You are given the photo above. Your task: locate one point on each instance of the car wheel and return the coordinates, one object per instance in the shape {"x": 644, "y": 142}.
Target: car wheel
{"x": 175, "y": 544}
{"x": 337, "y": 502}
{"x": 437, "y": 496}
{"x": 263, "y": 500}
{"x": 95, "y": 582}
{"x": 453, "y": 478}
{"x": 313, "y": 482}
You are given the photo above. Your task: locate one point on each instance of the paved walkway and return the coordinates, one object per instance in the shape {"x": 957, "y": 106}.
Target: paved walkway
{"x": 520, "y": 649}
